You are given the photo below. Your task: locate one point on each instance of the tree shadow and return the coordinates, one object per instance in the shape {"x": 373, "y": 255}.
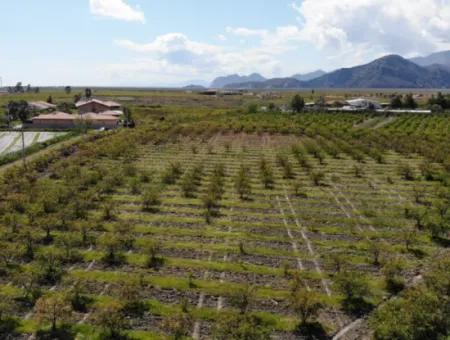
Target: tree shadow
{"x": 8, "y": 328}
{"x": 357, "y": 306}
{"x": 312, "y": 330}
{"x": 62, "y": 333}
{"x": 443, "y": 242}
{"x": 417, "y": 252}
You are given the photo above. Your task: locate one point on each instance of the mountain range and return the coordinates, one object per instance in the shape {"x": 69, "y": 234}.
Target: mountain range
{"x": 309, "y": 76}
{"x": 226, "y": 81}
{"x": 390, "y": 71}
{"x": 440, "y": 58}
{"x": 222, "y": 82}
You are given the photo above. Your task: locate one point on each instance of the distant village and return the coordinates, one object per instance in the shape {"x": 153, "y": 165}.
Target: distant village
{"x": 94, "y": 113}
{"x": 350, "y": 105}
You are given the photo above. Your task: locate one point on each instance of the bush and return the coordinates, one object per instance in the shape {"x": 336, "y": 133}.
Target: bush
{"x": 238, "y": 327}
{"x": 392, "y": 271}
{"x": 150, "y": 199}
{"x": 417, "y": 314}
{"x": 266, "y": 174}
{"x": 172, "y": 173}
{"x": 299, "y": 190}
{"x": 317, "y": 177}
{"x": 242, "y": 183}
{"x": 406, "y": 172}
{"x": 355, "y": 288}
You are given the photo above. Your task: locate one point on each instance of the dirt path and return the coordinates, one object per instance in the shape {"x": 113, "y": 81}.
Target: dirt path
{"x": 88, "y": 315}
{"x": 384, "y": 122}
{"x": 201, "y": 299}
{"x": 342, "y": 207}
{"x": 358, "y": 322}
{"x": 222, "y": 275}
{"x": 355, "y": 211}
{"x": 308, "y": 244}
{"x": 293, "y": 242}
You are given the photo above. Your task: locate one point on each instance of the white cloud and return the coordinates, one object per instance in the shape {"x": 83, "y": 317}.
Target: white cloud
{"x": 246, "y": 32}
{"x": 176, "y": 53}
{"x": 371, "y": 27}
{"x": 117, "y": 9}
{"x": 347, "y": 32}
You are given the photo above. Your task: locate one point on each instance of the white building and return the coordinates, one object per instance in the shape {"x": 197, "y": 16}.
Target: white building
{"x": 361, "y": 104}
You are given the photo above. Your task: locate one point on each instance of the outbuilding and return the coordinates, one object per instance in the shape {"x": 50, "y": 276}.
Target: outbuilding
{"x": 41, "y": 106}
{"x": 97, "y": 106}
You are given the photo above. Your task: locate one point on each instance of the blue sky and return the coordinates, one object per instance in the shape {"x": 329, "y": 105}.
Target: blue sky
{"x": 171, "y": 42}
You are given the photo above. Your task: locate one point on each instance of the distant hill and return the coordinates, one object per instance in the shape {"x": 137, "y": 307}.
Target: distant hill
{"x": 309, "y": 76}
{"x": 194, "y": 87}
{"x": 222, "y": 82}
{"x": 391, "y": 71}
{"x": 440, "y": 58}
{"x": 275, "y": 83}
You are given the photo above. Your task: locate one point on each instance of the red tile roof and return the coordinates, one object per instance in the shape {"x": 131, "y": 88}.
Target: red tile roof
{"x": 107, "y": 103}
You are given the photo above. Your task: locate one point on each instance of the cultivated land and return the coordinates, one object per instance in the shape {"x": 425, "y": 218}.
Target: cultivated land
{"x": 207, "y": 216}
{"x": 12, "y": 141}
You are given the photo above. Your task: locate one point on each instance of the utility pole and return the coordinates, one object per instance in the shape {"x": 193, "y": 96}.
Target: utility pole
{"x": 23, "y": 148}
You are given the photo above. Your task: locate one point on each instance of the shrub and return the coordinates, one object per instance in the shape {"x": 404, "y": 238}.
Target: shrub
{"x": 150, "y": 199}
{"x": 299, "y": 190}
{"x": 266, "y": 174}
{"x": 172, "y": 173}
{"x": 317, "y": 177}
{"x": 306, "y": 305}
{"x": 154, "y": 261}
{"x": 355, "y": 288}
{"x": 111, "y": 318}
{"x": 406, "y": 172}
{"x": 53, "y": 309}
{"x": 242, "y": 183}
{"x": 284, "y": 163}
{"x": 238, "y": 327}
{"x": 392, "y": 271}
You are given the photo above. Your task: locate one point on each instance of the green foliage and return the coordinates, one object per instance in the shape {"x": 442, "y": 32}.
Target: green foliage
{"x": 421, "y": 312}
{"x": 406, "y": 172}
{"x": 297, "y": 103}
{"x": 306, "y": 304}
{"x": 252, "y": 108}
{"x": 355, "y": 288}
{"x": 242, "y": 327}
{"x": 242, "y": 183}
{"x": 150, "y": 199}
{"x": 266, "y": 174}
{"x": 317, "y": 177}
{"x": 393, "y": 274}
{"x": 283, "y": 162}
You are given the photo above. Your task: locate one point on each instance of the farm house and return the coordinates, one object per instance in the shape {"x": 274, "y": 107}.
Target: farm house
{"x": 62, "y": 120}
{"x": 98, "y": 106}
{"x": 41, "y": 106}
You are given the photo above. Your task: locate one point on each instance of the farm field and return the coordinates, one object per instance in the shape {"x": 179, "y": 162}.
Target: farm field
{"x": 213, "y": 223}
{"x": 11, "y": 141}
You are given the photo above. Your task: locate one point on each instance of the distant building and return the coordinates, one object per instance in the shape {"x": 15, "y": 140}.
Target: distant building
{"x": 41, "y": 106}
{"x": 63, "y": 121}
{"x": 361, "y": 104}
{"x": 98, "y": 106}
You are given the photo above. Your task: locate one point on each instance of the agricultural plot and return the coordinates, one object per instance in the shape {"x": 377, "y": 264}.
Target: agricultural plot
{"x": 12, "y": 141}
{"x": 178, "y": 238}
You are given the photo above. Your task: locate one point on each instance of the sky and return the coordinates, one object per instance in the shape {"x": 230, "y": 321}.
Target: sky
{"x": 177, "y": 42}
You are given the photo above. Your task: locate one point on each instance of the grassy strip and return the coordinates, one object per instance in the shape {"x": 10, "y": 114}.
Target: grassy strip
{"x": 11, "y": 145}
{"x": 14, "y": 156}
